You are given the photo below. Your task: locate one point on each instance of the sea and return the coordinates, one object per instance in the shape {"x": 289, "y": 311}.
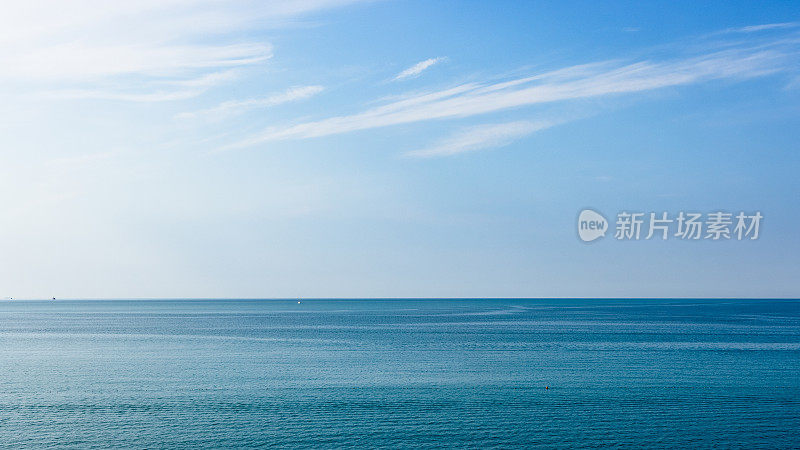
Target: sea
{"x": 397, "y": 373}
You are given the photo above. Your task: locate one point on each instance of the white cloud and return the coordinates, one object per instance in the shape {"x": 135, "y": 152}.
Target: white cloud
{"x": 576, "y": 82}
{"x": 80, "y": 61}
{"x": 763, "y": 27}
{"x": 144, "y": 97}
{"x": 481, "y": 137}
{"x": 155, "y": 91}
{"x": 46, "y": 21}
{"x": 238, "y": 106}
{"x": 417, "y": 68}
{"x": 78, "y": 45}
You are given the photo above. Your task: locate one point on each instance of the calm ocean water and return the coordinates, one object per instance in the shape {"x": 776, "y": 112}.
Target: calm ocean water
{"x": 400, "y": 373}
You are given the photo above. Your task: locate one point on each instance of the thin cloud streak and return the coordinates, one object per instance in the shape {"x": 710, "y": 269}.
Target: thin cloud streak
{"x": 148, "y": 97}
{"x": 81, "y": 61}
{"x": 764, "y": 27}
{"x": 75, "y": 46}
{"x": 239, "y": 106}
{"x": 482, "y": 137}
{"x": 577, "y": 82}
{"x": 415, "y": 70}
{"x": 180, "y": 89}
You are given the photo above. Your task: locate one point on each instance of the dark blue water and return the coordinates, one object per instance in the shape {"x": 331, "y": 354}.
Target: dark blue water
{"x": 400, "y": 373}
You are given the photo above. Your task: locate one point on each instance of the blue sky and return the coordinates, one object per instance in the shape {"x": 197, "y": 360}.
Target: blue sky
{"x": 332, "y": 148}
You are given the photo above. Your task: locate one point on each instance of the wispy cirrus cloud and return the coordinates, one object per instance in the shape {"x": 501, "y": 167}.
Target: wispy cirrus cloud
{"x": 239, "y": 106}
{"x": 80, "y": 61}
{"x": 481, "y": 137}
{"x": 415, "y": 70}
{"x": 764, "y": 27}
{"x": 76, "y": 46}
{"x": 153, "y": 91}
{"x": 570, "y": 83}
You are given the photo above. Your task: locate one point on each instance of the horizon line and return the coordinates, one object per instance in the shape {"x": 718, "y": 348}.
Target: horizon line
{"x": 10, "y": 299}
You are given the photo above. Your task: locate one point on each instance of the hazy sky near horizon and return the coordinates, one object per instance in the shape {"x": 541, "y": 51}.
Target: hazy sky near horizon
{"x": 347, "y": 148}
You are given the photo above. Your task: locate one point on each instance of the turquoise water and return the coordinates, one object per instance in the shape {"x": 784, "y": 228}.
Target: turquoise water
{"x": 400, "y": 373}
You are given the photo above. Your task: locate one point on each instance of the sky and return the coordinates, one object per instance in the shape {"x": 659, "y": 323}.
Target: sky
{"x": 386, "y": 148}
